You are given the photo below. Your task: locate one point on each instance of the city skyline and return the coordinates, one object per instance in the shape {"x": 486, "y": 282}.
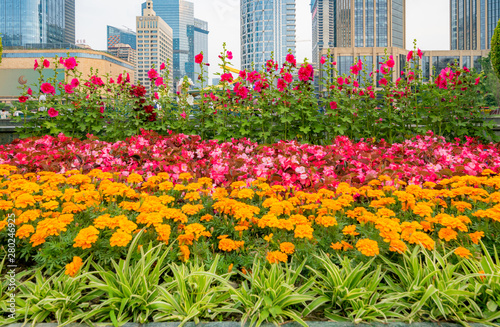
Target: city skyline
{"x": 430, "y": 27}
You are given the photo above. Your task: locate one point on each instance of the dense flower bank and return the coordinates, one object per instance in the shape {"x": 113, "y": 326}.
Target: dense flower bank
{"x": 287, "y": 163}
{"x": 98, "y": 212}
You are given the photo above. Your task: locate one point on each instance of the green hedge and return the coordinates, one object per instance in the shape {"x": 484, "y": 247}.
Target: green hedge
{"x": 495, "y": 50}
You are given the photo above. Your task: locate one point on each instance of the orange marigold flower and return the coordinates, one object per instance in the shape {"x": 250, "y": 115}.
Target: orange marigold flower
{"x": 462, "y": 252}
{"x": 304, "y": 231}
{"x": 3, "y": 223}
{"x": 86, "y": 237}
{"x": 38, "y": 238}
{"x": 25, "y": 200}
{"x": 397, "y": 246}
{"x": 206, "y": 217}
{"x": 73, "y": 267}
{"x": 134, "y": 178}
{"x": 368, "y": 247}
{"x": 120, "y": 238}
{"x": 229, "y": 245}
{"x": 482, "y": 273}
{"x": 269, "y": 237}
{"x": 6, "y": 205}
{"x": 276, "y": 257}
{"x": 192, "y": 196}
{"x": 287, "y": 247}
{"x": 347, "y": 246}
{"x": 326, "y": 221}
{"x": 185, "y": 239}
{"x": 476, "y": 237}
{"x": 230, "y": 268}
{"x": 184, "y": 253}
{"x": 163, "y": 231}
{"x": 422, "y": 239}
{"x": 350, "y": 230}
{"x": 336, "y": 246}
{"x": 24, "y": 231}
{"x": 185, "y": 176}
{"x": 447, "y": 234}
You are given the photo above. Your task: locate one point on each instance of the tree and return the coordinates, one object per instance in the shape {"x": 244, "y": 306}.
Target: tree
{"x": 490, "y": 82}
{"x": 1, "y": 49}
{"x": 495, "y": 50}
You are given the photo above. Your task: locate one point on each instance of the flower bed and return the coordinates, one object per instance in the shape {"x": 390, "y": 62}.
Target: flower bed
{"x": 303, "y": 166}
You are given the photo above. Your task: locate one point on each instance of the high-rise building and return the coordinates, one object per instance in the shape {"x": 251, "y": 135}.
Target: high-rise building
{"x": 123, "y": 51}
{"x": 37, "y": 22}
{"x": 358, "y": 23}
{"x": 267, "y": 28}
{"x": 154, "y": 43}
{"x": 472, "y": 23}
{"x": 119, "y": 35}
{"x": 200, "y": 43}
{"x": 179, "y": 14}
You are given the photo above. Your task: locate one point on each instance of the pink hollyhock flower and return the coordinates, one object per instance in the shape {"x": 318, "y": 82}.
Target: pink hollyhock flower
{"x": 111, "y": 81}
{"x": 70, "y": 63}
{"x": 101, "y": 110}
{"x": 68, "y": 89}
{"x": 383, "y": 81}
{"x": 96, "y": 80}
{"x": 288, "y": 78}
{"x": 227, "y": 77}
{"x": 47, "y": 88}
{"x": 156, "y": 96}
{"x": 477, "y": 81}
{"x": 46, "y": 63}
{"x": 153, "y": 74}
{"x": 75, "y": 82}
{"x": 23, "y": 98}
{"x": 159, "y": 81}
{"x": 281, "y": 85}
{"x": 333, "y": 105}
{"x": 30, "y": 91}
{"x": 391, "y": 62}
{"x": 340, "y": 81}
{"x": 409, "y": 56}
{"x": 36, "y": 65}
{"x": 120, "y": 79}
{"x": 290, "y": 58}
{"x": 243, "y": 74}
{"x": 163, "y": 66}
{"x": 385, "y": 69}
{"x": 306, "y": 72}
{"x": 229, "y": 55}
{"x": 52, "y": 113}
{"x": 420, "y": 53}
{"x": 127, "y": 79}
{"x": 61, "y": 60}
{"x": 323, "y": 60}
{"x": 198, "y": 58}
{"x": 183, "y": 115}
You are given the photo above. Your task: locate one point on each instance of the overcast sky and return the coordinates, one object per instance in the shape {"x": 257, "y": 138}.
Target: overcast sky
{"x": 426, "y": 20}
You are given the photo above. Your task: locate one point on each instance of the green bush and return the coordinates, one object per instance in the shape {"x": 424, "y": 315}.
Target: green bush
{"x": 495, "y": 50}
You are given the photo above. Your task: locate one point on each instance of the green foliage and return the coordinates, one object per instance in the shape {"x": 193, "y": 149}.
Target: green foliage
{"x": 1, "y": 49}
{"x": 490, "y": 84}
{"x": 495, "y": 50}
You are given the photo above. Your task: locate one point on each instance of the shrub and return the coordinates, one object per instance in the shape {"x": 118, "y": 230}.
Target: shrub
{"x": 495, "y": 50}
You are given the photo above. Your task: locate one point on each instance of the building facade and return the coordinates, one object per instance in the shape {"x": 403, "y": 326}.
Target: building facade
{"x": 123, "y": 51}
{"x": 358, "y": 23}
{"x": 472, "y": 23}
{"x": 37, "y": 22}
{"x": 154, "y": 43}
{"x": 118, "y": 35}
{"x": 268, "y": 29}
{"x": 200, "y": 44}
{"x": 179, "y": 15}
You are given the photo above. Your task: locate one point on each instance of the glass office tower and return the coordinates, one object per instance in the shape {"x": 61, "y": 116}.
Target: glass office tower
{"x": 118, "y": 35}
{"x": 357, "y": 23}
{"x": 473, "y": 23}
{"x": 267, "y": 27}
{"x": 179, "y": 15}
{"x": 37, "y": 22}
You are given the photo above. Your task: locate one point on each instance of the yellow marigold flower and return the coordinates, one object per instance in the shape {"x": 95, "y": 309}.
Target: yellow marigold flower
{"x": 185, "y": 176}
{"x": 326, "y": 221}
{"x": 38, "y": 238}
{"x": 186, "y": 239}
{"x": 397, "y": 246}
{"x": 27, "y": 216}
{"x": 336, "y": 246}
{"x": 192, "y": 196}
{"x": 120, "y": 238}
{"x": 230, "y": 268}
{"x": 78, "y": 179}
{"x": 276, "y": 257}
{"x": 134, "y": 178}
{"x": 163, "y": 175}
{"x": 149, "y": 219}
{"x": 86, "y": 237}
{"x": 191, "y": 210}
{"x": 205, "y": 181}
{"x": 304, "y": 231}
{"x": 6, "y": 205}
{"x": 422, "y": 210}
{"x": 422, "y": 239}
{"x": 73, "y": 267}
{"x": 287, "y": 247}
{"x": 25, "y": 200}
{"x": 245, "y": 194}
{"x": 238, "y": 184}
{"x": 350, "y": 230}
{"x": 476, "y": 237}
{"x": 24, "y": 231}
{"x": 229, "y": 245}
{"x": 367, "y": 247}
{"x": 447, "y": 234}
{"x": 461, "y": 205}
{"x": 184, "y": 255}
{"x": 299, "y": 220}
{"x": 193, "y": 186}
{"x": 196, "y": 229}
{"x": 3, "y": 223}
{"x": 206, "y": 217}
{"x": 163, "y": 231}
{"x": 462, "y": 252}
{"x": 167, "y": 186}
{"x": 51, "y": 205}
{"x": 488, "y": 172}
{"x": 269, "y": 237}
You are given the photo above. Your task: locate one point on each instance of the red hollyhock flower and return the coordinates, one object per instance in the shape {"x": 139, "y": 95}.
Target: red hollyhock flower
{"x": 47, "y": 88}
{"x": 46, "y": 63}
{"x": 36, "y": 65}
{"x": 306, "y": 72}
{"x": 153, "y": 74}
{"x": 383, "y": 81}
{"x": 391, "y": 62}
{"x": 75, "y": 82}
{"x": 198, "y": 58}
{"x": 281, "y": 85}
{"x": 70, "y": 63}
{"x": 53, "y": 113}
{"x": 23, "y": 98}
{"x": 68, "y": 89}
{"x": 30, "y": 91}
{"x": 163, "y": 66}
{"x": 159, "y": 81}
{"x": 333, "y": 105}
{"x": 226, "y": 77}
{"x": 290, "y": 58}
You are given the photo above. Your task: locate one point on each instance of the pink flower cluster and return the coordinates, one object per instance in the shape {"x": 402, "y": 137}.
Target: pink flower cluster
{"x": 304, "y": 166}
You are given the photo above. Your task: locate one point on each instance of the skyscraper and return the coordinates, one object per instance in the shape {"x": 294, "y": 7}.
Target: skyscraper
{"x": 118, "y": 35}
{"x": 200, "y": 42}
{"x": 154, "y": 43}
{"x": 179, "y": 14}
{"x": 267, "y": 26}
{"x": 357, "y": 23}
{"x": 37, "y": 22}
{"x": 472, "y": 23}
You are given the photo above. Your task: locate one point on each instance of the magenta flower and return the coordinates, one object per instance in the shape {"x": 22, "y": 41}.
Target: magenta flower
{"x": 163, "y": 66}
{"x": 23, "y": 98}
{"x": 333, "y": 105}
{"x": 383, "y": 81}
{"x": 409, "y": 56}
{"x": 47, "y": 88}
{"x": 159, "y": 81}
{"x": 281, "y": 85}
{"x": 229, "y": 55}
{"x": 46, "y": 63}
{"x": 52, "y": 113}
{"x": 198, "y": 58}
{"x": 68, "y": 89}
{"x": 153, "y": 74}
{"x": 36, "y": 65}
{"x": 70, "y": 63}
{"x": 30, "y": 91}
{"x": 75, "y": 82}
{"x": 322, "y": 60}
